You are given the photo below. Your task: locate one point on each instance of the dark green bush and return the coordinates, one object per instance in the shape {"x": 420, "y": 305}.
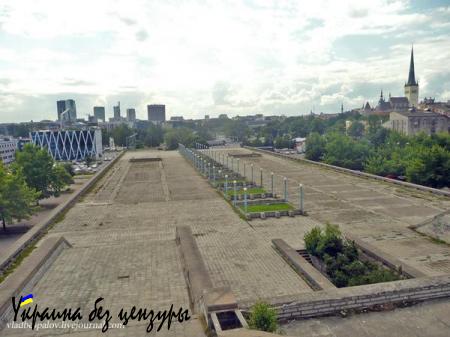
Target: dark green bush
{"x": 263, "y": 317}
{"x": 341, "y": 259}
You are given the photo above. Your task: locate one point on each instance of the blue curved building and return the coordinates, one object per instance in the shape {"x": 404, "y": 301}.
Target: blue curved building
{"x": 70, "y": 144}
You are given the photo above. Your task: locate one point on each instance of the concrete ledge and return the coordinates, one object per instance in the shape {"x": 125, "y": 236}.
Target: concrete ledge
{"x": 247, "y": 333}
{"x": 28, "y": 274}
{"x": 145, "y": 159}
{"x": 356, "y": 173}
{"x": 38, "y": 230}
{"x": 244, "y": 155}
{"x": 329, "y": 302}
{"x": 384, "y": 258}
{"x": 270, "y": 214}
{"x": 195, "y": 272}
{"x": 302, "y": 267}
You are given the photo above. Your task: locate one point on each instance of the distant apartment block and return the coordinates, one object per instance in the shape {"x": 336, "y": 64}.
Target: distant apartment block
{"x": 8, "y": 147}
{"x": 70, "y": 144}
{"x": 131, "y": 115}
{"x": 67, "y": 110}
{"x": 156, "y": 113}
{"x": 116, "y": 110}
{"x": 99, "y": 113}
{"x": 413, "y": 122}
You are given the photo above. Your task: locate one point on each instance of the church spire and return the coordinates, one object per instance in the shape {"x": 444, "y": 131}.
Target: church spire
{"x": 412, "y": 75}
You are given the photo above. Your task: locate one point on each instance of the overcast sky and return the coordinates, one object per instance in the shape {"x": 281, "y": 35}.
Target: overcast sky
{"x": 209, "y": 57}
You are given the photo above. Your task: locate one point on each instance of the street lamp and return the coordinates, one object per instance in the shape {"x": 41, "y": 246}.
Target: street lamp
{"x": 245, "y": 199}
{"x": 235, "y": 196}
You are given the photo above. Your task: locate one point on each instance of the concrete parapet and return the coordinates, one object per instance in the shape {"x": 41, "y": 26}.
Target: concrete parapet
{"x": 38, "y": 230}
{"x": 302, "y": 267}
{"x": 328, "y": 302}
{"x": 384, "y": 258}
{"x": 196, "y": 274}
{"x": 144, "y": 159}
{"x": 28, "y": 274}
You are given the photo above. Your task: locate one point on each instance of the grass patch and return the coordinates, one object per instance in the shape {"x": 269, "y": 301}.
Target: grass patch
{"x": 268, "y": 208}
{"x": 27, "y": 251}
{"x": 230, "y": 182}
{"x": 254, "y": 190}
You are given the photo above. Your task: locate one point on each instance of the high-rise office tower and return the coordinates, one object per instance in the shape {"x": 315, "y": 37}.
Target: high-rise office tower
{"x": 156, "y": 113}
{"x": 116, "y": 109}
{"x": 67, "y": 109}
{"x": 99, "y": 113}
{"x": 131, "y": 115}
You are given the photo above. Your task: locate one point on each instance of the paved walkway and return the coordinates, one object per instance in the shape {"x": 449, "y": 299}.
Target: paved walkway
{"x": 16, "y": 230}
{"x": 123, "y": 237}
{"x": 378, "y": 212}
{"x": 427, "y": 319}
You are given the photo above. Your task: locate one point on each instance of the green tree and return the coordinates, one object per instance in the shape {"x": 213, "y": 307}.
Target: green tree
{"x": 428, "y": 167}
{"x": 237, "y": 129}
{"x": 378, "y": 137}
{"x": 187, "y": 137}
{"x": 120, "y": 134}
{"x": 263, "y": 317}
{"x": 40, "y": 172}
{"x": 315, "y": 146}
{"x": 282, "y": 142}
{"x": 356, "y": 129}
{"x": 343, "y": 151}
{"x": 60, "y": 179}
{"x": 36, "y": 165}
{"x": 17, "y": 200}
{"x": 153, "y": 136}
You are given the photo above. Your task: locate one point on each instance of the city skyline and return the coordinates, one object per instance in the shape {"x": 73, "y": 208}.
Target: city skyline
{"x": 234, "y": 57}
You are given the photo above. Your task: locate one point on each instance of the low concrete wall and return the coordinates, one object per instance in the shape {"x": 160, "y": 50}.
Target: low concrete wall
{"x": 144, "y": 159}
{"x": 196, "y": 274}
{"x": 38, "y": 230}
{"x": 302, "y": 267}
{"x": 356, "y": 173}
{"x": 28, "y": 274}
{"x": 328, "y": 302}
{"x": 384, "y": 258}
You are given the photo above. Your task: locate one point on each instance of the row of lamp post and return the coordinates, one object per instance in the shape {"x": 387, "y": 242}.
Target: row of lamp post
{"x": 206, "y": 167}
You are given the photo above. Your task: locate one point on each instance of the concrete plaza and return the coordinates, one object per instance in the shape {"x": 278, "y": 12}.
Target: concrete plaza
{"x": 123, "y": 241}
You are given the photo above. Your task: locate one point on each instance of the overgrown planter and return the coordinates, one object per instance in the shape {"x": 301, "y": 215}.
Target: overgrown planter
{"x": 342, "y": 262}
{"x": 321, "y": 267}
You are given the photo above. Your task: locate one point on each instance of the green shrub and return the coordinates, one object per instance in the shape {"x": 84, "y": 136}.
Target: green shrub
{"x": 341, "y": 259}
{"x": 263, "y": 317}
{"x": 312, "y": 240}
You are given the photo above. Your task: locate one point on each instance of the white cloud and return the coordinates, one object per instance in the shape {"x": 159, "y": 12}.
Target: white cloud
{"x": 270, "y": 55}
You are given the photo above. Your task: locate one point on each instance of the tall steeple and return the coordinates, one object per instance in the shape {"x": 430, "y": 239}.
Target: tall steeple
{"x": 412, "y": 86}
{"x": 412, "y": 75}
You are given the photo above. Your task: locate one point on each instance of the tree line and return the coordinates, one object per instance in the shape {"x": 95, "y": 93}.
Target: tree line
{"x": 365, "y": 145}
{"x": 419, "y": 159}
{"x": 33, "y": 176}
